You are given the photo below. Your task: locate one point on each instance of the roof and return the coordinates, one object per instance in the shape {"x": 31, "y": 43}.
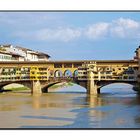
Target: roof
{"x": 22, "y": 48}
{"x": 43, "y": 54}
{"x": 26, "y": 49}
{"x": 32, "y": 51}
{"x": 8, "y": 53}
{"x": 16, "y": 55}
{"x": 1, "y": 52}
{"x": 6, "y": 45}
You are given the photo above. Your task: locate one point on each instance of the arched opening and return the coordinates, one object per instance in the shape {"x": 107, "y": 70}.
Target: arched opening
{"x": 67, "y": 73}
{"x": 58, "y": 73}
{"x": 75, "y": 74}
{"x": 64, "y": 87}
{"x": 118, "y": 88}
{"x": 14, "y": 87}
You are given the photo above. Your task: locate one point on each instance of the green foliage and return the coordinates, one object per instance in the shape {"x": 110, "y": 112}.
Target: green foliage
{"x": 62, "y": 85}
{"x": 19, "y": 88}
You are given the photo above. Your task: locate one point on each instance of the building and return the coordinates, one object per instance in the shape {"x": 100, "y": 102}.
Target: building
{"x": 137, "y": 58}
{"x": 24, "y": 73}
{"x": 43, "y": 56}
{"x": 24, "y": 54}
{"x": 9, "y": 56}
{"x": 28, "y": 54}
{"x": 5, "y": 56}
{"x": 90, "y": 71}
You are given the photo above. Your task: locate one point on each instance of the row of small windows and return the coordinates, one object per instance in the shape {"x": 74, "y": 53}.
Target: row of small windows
{"x": 17, "y": 78}
{"x": 82, "y": 72}
{"x": 108, "y": 72}
{"x": 108, "y": 77}
{"x": 20, "y": 69}
{"x": 111, "y": 69}
{"x": 82, "y": 68}
{"x": 66, "y": 65}
{"x": 5, "y": 57}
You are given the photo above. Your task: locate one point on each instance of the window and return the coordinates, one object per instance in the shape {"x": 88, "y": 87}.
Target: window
{"x": 95, "y": 77}
{"x": 77, "y": 65}
{"x": 108, "y": 72}
{"x": 67, "y": 65}
{"x": 107, "y": 68}
{"x": 57, "y": 65}
{"x": 125, "y": 77}
{"x": 109, "y": 77}
{"x": 102, "y": 77}
{"x": 131, "y": 77}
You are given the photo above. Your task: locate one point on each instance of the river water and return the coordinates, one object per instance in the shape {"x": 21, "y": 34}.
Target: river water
{"x": 115, "y": 107}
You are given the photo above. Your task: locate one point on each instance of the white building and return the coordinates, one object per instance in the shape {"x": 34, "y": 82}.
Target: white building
{"x": 24, "y": 53}
{"x": 5, "y": 56}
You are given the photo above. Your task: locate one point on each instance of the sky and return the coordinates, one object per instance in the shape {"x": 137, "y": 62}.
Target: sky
{"x": 74, "y": 35}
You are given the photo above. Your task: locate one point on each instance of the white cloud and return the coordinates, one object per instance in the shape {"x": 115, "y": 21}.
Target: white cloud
{"x": 59, "y": 34}
{"x": 119, "y": 28}
{"x": 125, "y": 28}
{"x": 97, "y": 31}
{"x": 127, "y": 23}
{"x": 118, "y": 31}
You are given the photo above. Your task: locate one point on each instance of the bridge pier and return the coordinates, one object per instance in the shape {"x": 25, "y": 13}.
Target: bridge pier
{"x": 36, "y": 88}
{"x": 92, "y": 87}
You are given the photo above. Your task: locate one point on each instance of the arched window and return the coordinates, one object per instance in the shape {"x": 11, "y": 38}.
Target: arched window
{"x": 75, "y": 74}
{"x": 58, "y": 73}
{"x": 68, "y": 73}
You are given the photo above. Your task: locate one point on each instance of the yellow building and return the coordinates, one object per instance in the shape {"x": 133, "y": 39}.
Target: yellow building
{"x": 101, "y": 72}
{"x": 39, "y": 73}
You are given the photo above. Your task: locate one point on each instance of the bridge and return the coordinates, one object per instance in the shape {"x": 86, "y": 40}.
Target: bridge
{"x": 90, "y": 74}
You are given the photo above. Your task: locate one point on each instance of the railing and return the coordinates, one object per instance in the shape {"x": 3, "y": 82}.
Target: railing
{"x": 105, "y": 78}
{"x": 130, "y": 77}
{"x": 30, "y": 79}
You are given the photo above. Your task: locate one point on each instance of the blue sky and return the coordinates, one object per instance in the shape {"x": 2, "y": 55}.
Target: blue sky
{"x": 73, "y": 35}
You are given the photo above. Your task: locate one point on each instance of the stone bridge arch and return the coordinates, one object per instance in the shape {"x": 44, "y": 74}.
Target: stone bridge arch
{"x": 24, "y": 83}
{"x": 46, "y": 86}
{"x": 101, "y": 84}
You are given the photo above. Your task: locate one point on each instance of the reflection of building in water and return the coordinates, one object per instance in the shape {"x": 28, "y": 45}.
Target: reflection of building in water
{"x": 55, "y": 110}
{"x": 94, "y": 101}
{"x": 95, "y": 113}
{"x": 36, "y": 103}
